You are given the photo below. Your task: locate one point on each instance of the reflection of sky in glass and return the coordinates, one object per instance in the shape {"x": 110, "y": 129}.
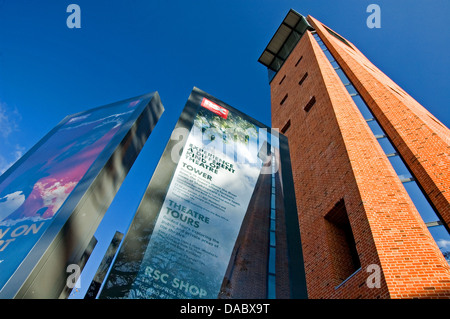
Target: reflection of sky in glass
{"x": 440, "y": 233}
{"x": 39, "y": 186}
{"x": 376, "y": 128}
{"x": 426, "y": 211}
{"x": 442, "y": 238}
{"x": 399, "y": 166}
{"x": 362, "y": 107}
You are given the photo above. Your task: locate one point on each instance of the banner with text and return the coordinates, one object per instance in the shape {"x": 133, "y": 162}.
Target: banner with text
{"x": 202, "y": 213}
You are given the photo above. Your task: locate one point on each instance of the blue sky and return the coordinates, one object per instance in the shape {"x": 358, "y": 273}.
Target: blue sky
{"x": 127, "y": 48}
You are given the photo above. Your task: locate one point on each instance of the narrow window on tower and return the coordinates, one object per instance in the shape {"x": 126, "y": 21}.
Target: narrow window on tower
{"x": 282, "y": 79}
{"x": 337, "y": 36}
{"x": 303, "y": 78}
{"x": 341, "y": 242}
{"x": 310, "y": 104}
{"x": 299, "y": 60}
{"x": 434, "y": 119}
{"x": 286, "y": 127}
{"x": 284, "y": 99}
{"x": 394, "y": 90}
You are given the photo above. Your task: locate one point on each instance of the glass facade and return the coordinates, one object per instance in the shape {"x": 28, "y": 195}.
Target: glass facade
{"x": 428, "y": 214}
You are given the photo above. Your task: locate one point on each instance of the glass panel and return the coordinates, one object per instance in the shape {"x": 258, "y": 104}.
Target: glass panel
{"x": 386, "y": 145}
{"x": 276, "y": 64}
{"x": 289, "y": 45}
{"x": 272, "y": 213}
{"x": 351, "y": 89}
{"x": 329, "y": 56}
{"x": 334, "y": 64}
{"x": 272, "y": 260}
{"x": 301, "y": 26}
{"x": 272, "y": 225}
{"x": 42, "y": 190}
{"x": 271, "y": 74}
{"x": 442, "y": 238}
{"x": 342, "y": 75}
{"x": 272, "y": 239}
{"x": 362, "y": 107}
{"x": 399, "y": 167}
{"x": 271, "y": 287}
{"x": 423, "y": 206}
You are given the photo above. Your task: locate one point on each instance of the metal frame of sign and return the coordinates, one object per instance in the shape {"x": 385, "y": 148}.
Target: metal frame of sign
{"x": 43, "y": 272}
{"x": 128, "y": 260}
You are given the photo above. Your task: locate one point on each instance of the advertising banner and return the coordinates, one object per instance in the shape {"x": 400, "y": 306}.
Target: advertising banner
{"x": 184, "y": 233}
{"x": 203, "y": 210}
{"x": 41, "y": 191}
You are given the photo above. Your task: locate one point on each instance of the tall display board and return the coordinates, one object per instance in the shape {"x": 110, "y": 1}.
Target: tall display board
{"x": 54, "y": 197}
{"x": 208, "y": 207}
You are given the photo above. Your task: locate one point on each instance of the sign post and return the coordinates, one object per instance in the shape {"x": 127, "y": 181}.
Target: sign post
{"x": 186, "y": 229}
{"x": 54, "y": 197}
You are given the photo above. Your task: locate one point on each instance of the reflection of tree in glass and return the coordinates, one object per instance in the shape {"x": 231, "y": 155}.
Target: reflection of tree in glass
{"x": 444, "y": 245}
{"x": 233, "y": 126}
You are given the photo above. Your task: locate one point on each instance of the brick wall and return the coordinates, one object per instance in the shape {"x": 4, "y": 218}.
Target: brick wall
{"x": 336, "y": 157}
{"x": 421, "y": 139}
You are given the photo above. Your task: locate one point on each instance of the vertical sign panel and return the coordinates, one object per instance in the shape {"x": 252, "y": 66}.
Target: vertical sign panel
{"x": 41, "y": 195}
{"x": 185, "y": 230}
{"x": 203, "y": 210}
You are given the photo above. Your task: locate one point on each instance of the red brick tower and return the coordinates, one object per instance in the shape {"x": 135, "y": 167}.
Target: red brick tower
{"x": 370, "y": 167}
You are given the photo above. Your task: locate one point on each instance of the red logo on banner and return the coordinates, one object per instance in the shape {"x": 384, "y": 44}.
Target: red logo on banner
{"x": 213, "y": 107}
